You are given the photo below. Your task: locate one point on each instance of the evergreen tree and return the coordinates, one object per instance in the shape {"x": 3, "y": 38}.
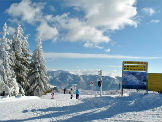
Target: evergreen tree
{"x": 22, "y": 57}
{"x": 38, "y": 74}
{"x": 6, "y": 70}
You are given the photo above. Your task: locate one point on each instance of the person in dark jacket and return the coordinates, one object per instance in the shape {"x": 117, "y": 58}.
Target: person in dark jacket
{"x": 64, "y": 90}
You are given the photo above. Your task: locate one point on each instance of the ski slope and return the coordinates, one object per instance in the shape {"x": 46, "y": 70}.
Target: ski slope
{"x": 132, "y": 107}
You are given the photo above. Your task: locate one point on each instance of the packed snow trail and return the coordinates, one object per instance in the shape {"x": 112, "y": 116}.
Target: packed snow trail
{"x": 112, "y": 108}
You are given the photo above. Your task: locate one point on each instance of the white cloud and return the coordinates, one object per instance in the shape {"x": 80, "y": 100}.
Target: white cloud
{"x": 148, "y": 11}
{"x": 155, "y": 21}
{"x": 46, "y": 32}
{"x": 107, "y": 50}
{"x": 114, "y": 73}
{"x": 27, "y": 10}
{"x": 78, "y": 30}
{"x": 92, "y": 45}
{"x": 11, "y": 30}
{"x": 14, "y": 20}
{"x": 100, "y": 16}
{"x": 31, "y": 12}
{"x": 92, "y": 56}
{"x": 48, "y": 17}
{"x": 86, "y": 33}
{"x": 114, "y": 14}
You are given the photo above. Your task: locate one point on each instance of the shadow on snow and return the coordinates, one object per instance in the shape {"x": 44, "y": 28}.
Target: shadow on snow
{"x": 94, "y": 107}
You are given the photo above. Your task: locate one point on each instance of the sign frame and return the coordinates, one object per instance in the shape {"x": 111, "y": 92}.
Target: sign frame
{"x": 134, "y": 66}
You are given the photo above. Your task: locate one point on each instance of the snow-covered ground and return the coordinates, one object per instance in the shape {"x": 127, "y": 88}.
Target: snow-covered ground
{"x": 132, "y": 107}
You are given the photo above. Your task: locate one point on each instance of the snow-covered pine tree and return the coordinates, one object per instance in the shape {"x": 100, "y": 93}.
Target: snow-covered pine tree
{"x": 1, "y": 76}
{"x": 22, "y": 57}
{"x": 6, "y": 70}
{"x": 38, "y": 73}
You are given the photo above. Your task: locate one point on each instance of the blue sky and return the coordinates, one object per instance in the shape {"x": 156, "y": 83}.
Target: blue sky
{"x": 86, "y": 35}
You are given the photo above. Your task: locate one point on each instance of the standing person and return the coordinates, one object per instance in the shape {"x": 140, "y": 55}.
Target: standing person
{"x": 77, "y": 94}
{"x": 52, "y": 94}
{"x": 64, "y": 90}
{"x": 71, "y": 93}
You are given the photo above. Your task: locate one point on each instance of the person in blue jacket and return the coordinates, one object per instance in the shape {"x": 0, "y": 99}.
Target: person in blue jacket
{"x": 77, "y": 94}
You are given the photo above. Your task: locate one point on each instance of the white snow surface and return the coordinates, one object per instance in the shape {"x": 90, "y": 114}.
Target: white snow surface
{"x": 132, "y": 107}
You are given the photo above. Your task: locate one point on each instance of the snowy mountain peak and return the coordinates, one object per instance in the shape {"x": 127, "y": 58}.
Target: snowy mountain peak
{"x": 65, "y": 79}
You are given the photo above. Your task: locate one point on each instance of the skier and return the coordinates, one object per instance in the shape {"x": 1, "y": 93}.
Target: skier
{"x": 77, "y": 94}
{"x": 71, "y": 93}
{"x": 52, "y": 94}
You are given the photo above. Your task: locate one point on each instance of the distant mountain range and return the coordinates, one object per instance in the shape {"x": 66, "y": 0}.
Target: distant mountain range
{"x": 64, "y": 79}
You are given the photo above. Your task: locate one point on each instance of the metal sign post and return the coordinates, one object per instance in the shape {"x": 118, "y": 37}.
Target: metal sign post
{"x": 92, "y": 84}
{"x": 100, "y": 80}
{"x": 122, "y": 80}
{"x": 74, "y": 86}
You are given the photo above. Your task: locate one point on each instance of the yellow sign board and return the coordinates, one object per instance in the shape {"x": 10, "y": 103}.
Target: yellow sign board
{"x": 155, "y": 82}
{"x": 134, "y": 62}
{"x": 134, "y": 68}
